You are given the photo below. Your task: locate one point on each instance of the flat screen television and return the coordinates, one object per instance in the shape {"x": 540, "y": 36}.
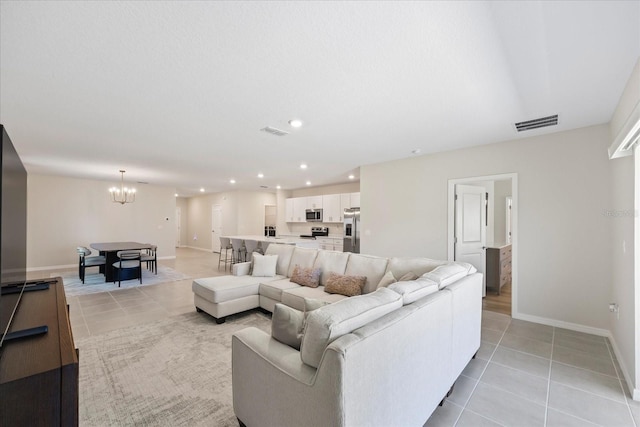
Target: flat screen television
{"x": 13, "y": 228}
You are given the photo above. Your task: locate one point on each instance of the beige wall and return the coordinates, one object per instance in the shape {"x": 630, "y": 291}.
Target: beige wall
{"x": 563, "y": 247}
{"x": 242, "y": 213}
{"x": 623, "y": 289}
{"x": 183, "y": 204}
{"x": 63, "y": 213}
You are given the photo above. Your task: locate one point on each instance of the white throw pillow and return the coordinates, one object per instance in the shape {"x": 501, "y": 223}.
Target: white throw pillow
{"x": 264, "y": 265}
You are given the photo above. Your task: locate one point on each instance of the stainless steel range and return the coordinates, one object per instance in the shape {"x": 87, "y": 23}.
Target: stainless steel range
{"x": 316, "y": 232}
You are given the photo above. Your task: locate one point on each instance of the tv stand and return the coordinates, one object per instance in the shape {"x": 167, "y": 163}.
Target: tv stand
{"x": 39, "y": 375}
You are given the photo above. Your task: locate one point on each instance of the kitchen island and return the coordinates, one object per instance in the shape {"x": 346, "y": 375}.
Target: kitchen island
{"x": 282, "y": 240}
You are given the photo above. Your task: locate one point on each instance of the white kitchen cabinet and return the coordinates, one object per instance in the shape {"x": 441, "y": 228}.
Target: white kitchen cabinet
{"x": 330, "y": 243}
{"x": 314, "y": 202}
{"x": 355, "y": 200}
{"x": 299, "y": 208}
{"x": 331, "y": 208}
{"x": 289, "y": 210}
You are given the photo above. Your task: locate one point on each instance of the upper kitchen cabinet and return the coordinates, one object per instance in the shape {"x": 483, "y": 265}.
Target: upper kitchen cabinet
{"x": 288, "y": 211}
{"x": 355, "y": 200}
{"x": 299, "y": 209}
{"x": 314, "y": 202}
{"x": 331, "y": 208}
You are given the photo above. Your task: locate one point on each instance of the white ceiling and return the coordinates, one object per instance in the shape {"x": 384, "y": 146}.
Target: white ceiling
{"x": 176, "y": 92}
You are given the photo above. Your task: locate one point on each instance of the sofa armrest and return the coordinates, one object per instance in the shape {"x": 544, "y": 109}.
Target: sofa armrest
{"x": 241, "y": 269}
{"x": 295, "y": 395}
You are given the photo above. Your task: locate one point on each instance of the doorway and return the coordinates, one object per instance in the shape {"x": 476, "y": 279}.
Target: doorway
{"x": 499, "y": 206}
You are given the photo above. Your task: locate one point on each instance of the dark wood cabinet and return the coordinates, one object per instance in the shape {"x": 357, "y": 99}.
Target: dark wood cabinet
{"x": 498, "y": 269}
{"x": 39, "y": 375}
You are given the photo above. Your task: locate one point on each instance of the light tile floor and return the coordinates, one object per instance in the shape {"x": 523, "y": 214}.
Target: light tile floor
{"x": 525, "y": 374}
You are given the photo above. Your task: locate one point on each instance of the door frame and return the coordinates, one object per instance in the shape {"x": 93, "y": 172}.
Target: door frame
{"x": 215, "y": 207}
{"x": 514, "y": 225}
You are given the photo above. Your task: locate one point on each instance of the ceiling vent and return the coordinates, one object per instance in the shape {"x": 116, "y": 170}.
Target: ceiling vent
{"x": 274, "y": 131}
{"x": 537, "y": 123}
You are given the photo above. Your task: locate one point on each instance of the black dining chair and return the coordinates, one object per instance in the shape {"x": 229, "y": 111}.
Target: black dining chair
{"x": 128, "y": 266}
{"x": 150, "y": 258}
{"x": 86, "y": 261}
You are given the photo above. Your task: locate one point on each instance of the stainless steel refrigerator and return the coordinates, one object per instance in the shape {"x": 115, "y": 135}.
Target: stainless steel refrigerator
{"x": 351, "y": 230}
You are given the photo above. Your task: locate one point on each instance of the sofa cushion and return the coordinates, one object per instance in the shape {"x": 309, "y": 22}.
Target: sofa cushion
{"x": 445, "y": 275}
{"x": 372, "y": 267}
{"x": 306, "y": 276}
{"x": 264, "y": 265}
{"x": 401, "y": 266}
{"x": 345, "y": 285}
{"x": 284, "y": 253}
{"x": 225, "y": 288}
{"x": 414, "y": 290}
{"x": 304, "y": 257}
{"x": 333, "y": 321}
{"x": 330, "y": 262}
{"x": 273, "y": 289}
{"x": 286, "y": 325}
{"x": 387, "y": 280}
{"x": 295, "y": 297}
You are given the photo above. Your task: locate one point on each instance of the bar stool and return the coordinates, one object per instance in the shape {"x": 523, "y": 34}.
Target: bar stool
{"x": 250, "y": 247}
{"x": 225, "y": 245}
{"x": 238, "y": 250}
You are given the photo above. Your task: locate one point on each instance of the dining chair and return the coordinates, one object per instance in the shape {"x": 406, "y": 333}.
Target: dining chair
{"x": 150, "y": 258}
{"x": 86, "y": 261}
{"x": 128, "y": 262}
{"x": 225, "y": 245}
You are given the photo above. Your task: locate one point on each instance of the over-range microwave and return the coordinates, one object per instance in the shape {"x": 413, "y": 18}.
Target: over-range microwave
{"x": 314, "y": 215}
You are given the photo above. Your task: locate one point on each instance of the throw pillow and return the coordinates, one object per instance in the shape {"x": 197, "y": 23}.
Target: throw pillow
{"x": 306, "y": 276}
{"x": 386, "y": 280}
{"x": 345, "y": 285}
{"x": 286, "y": 325}
{"x": 408, "y": 277}
{"x": 264, "y": 265}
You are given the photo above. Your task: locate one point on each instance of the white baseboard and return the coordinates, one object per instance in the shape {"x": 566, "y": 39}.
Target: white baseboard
{"x": 52, "y": 267}
{"x": 635, "y": 392}
{"x": 167, "y": 257}
{"x": 561, "y": 324}
{"x": 198, "y": 249}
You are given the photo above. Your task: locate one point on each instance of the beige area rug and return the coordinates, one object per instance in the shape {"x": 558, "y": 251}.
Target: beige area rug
{"x": 172, "y": 372}
{"x": 94, "y": 282}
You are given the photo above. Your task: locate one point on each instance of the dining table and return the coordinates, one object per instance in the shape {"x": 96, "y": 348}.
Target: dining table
{"x": 110, "y": 251}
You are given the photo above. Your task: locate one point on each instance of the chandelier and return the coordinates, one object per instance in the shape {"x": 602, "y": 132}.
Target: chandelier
{"x": 123, "y": 194}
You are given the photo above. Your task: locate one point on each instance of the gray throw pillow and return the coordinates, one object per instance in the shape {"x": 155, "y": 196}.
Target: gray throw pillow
{"x": 286, "y": 325}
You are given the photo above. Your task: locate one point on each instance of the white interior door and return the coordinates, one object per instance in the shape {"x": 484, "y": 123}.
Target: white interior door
{"x": 470, "y": 226}
{"x": 216, "y": 227}
{"x": 178, "y": 229}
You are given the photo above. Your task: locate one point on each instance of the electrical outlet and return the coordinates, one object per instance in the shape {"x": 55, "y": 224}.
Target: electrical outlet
{"x": 613, "y": 307}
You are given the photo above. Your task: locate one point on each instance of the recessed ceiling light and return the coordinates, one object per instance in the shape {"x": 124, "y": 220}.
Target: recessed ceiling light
{"x": 303, "y": 166}
{"x": 416, "y": 151}
{"x": 278, "y": 187}
{"x": 202, "y": 190}
{"x": 260, "y": 175}
{"x": 232, "y": 181}
{"x": 295, "y": 123}
{"x": 308, "y": 182}
{"x": 351, "y": 176}
{"x": 176, "y": 194}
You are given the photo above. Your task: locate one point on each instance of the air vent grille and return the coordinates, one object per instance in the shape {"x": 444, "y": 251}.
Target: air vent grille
{"x": 274, "y": 131}
{"x": 537, "y": 123}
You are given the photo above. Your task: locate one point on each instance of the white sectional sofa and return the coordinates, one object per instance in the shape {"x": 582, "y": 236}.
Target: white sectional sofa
{"x": 222, "y": 296}
{"x": 385, "y": 358}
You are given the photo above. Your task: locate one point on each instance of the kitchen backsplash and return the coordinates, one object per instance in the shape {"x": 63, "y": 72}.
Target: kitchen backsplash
{"x": 335, "y": 230}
